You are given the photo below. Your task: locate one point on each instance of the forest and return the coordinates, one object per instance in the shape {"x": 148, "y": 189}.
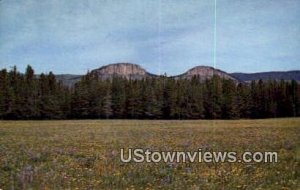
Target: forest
{"x": 30, "y": 96}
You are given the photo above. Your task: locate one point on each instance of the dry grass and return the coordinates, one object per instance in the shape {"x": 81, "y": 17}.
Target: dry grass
{"x": 86, "y": 154}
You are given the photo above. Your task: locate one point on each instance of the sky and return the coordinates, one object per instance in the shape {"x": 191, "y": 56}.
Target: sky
{"x": 163, "y": 36}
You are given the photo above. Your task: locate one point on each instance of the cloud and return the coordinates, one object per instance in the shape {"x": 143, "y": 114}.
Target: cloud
{"x": 161, "y": 35}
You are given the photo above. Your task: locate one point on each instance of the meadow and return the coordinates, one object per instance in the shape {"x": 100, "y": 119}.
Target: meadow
{"x": 85, "y": 154}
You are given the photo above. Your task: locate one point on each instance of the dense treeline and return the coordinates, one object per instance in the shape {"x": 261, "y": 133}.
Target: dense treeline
{"x": 30, "y": 97}
{"x": 27, "y": 96}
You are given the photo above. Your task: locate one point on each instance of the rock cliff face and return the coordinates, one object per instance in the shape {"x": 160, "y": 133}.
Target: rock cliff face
{"x": 133, "y": 71}
{"x": 204, "y": 72}
{"x": 126, "y": 70}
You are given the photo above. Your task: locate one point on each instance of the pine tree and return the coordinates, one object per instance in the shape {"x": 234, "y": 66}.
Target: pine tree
{"x": 30, "y": 95}
{"x": 213, "y": 98}
{"x": 230, "y": 109}
{"x": 118, "y": 97}
{"x": 244, "y": 100}
{"x": 4, "y": 93}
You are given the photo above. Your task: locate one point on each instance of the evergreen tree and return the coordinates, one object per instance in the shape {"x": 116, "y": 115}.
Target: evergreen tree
{"x": 230, "y": 109}
{"x": 25, "y": 96}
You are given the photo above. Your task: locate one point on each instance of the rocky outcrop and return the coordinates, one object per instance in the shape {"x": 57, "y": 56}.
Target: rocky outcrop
{"x": 204, "y": 72}
{"x": 134, "y": 71}
{"x": 126, "y": 70}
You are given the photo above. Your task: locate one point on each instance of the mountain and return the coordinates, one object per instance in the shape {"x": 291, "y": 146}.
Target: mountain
{"x": 204, "y": 72}
{"x": 68, "y": 79}
{"x": 126, "y": 70}
{"x": 287, "y": 75}
{"x": 134, "y": 71}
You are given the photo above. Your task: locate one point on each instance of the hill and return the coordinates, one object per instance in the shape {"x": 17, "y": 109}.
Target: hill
{"x": 134, "y": 71}
{"x": 126, "y": 70}
{"x": 285, "y": 75}
{"x": 204, "y": 72}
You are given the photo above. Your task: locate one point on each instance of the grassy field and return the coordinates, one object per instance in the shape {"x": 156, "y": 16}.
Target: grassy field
{"x": 85, "y": 154}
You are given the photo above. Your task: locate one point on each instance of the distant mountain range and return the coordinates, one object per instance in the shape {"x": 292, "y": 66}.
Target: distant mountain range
{"x": 134, "y": 71}
{"x": 68, "y": 79}
{"x": 275, "y": 75}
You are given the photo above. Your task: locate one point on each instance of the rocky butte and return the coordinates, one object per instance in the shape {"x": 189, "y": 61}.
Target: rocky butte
{"x": 204, "y": 72}
{"x": 134, "y": 71}
{"x": 126, "y": 70}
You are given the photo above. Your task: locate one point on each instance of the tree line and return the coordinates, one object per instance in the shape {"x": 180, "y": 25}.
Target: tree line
{"x": 30, "y": 96}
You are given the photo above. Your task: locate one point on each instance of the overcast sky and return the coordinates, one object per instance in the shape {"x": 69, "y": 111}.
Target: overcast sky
{"x": 73, "y": 36}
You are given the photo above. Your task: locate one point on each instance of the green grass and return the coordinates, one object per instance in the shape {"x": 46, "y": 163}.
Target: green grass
{"x": 86, "y": 154}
